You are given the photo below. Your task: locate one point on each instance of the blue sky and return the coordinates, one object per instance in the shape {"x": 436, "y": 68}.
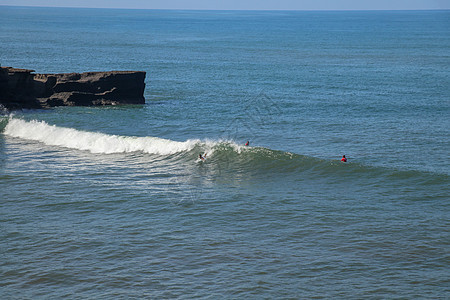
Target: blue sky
{"x": 241, "y": 4}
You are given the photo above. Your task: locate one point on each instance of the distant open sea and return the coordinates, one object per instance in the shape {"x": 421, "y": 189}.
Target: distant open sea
{"x": 113, "y": 202}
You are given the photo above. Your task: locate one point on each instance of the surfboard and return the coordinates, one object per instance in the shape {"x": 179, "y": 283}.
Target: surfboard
{"x": 203, "y": 158}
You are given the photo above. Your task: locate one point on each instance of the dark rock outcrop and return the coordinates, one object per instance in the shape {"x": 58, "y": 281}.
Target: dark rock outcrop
{"x": 20, "y": 88}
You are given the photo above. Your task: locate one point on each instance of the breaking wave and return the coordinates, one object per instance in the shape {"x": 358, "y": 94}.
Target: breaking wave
{"x": 224, "y": 155}
{"x": 93, "y": 141}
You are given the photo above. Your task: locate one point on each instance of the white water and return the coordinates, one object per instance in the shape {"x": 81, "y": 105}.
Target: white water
{"x": 93, "y": 141}
{"x": 96, "y": 142}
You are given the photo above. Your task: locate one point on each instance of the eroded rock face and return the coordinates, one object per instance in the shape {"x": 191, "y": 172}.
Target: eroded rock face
{"x": 17, "y": 89}
{"x": 21, "y": 88}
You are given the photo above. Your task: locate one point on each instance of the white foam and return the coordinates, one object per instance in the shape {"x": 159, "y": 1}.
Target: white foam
{"x": 93, "y": 141}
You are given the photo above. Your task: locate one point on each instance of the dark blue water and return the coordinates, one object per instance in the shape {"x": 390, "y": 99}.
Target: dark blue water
{"x": 113, "y": 203}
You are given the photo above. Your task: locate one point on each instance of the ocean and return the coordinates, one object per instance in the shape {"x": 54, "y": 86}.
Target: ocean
{"x": 113, "y": 202}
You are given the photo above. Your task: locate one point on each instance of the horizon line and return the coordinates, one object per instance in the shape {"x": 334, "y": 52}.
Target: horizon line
{"x": 229, "y": 9}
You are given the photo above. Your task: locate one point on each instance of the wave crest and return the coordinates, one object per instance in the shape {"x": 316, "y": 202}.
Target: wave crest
{"x": 93, "y": 141}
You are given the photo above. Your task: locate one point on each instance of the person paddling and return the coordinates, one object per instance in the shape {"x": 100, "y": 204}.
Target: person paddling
{"x": 248, "y": 143}
{"x": 343, "y": 159}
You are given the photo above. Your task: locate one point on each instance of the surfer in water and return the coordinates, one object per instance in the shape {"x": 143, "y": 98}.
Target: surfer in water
{"x": 343, "y": 159}
{"x": 248, "y": 143}
{"x": 202, "y": 157}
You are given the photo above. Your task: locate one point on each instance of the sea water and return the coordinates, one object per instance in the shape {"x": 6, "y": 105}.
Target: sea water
{"x": 113, "y": 202}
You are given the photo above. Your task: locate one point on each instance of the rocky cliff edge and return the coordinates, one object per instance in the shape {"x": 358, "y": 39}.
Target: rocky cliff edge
{"x": 21, "y": 88}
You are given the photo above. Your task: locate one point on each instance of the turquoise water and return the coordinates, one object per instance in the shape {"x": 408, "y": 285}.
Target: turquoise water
{"x": 113, "y": 203}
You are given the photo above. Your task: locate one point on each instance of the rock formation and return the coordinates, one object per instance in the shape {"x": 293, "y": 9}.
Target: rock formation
{"x": 20, "y": 88}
